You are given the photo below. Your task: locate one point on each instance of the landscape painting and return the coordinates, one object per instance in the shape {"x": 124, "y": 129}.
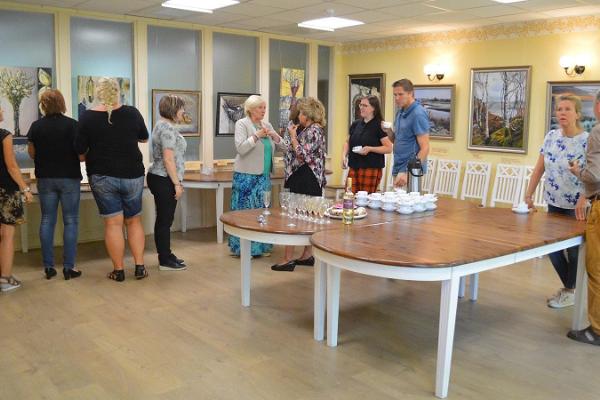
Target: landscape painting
{"x": 365, "y": 85}
{"x": 86, "y": 92}
{"x": 585, "y": 90}
{"x": 499, "y": 109}
{"x": 438, "y": 100}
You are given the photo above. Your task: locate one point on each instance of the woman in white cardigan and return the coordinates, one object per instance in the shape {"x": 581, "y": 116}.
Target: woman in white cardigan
{"x": 255, "y": 144}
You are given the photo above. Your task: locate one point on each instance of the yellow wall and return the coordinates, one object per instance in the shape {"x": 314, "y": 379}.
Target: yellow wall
{"x": 541, "y": 52}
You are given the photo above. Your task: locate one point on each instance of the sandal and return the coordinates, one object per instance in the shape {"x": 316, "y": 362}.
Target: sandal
{"x": 140, "y": 272}
{"x": 117, "y": 275}
{"x": 586, "y": 335}
{"x": 9, "y": 283}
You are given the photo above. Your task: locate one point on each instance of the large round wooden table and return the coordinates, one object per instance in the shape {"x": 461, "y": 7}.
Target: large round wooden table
{"x": 444, "y": 247}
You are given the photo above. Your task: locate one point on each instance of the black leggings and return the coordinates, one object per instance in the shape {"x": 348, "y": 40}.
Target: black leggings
{"x": 163, "y": 191}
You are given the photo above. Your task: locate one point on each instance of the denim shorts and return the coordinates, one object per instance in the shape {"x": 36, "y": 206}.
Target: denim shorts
{"x": 116, "y": 196}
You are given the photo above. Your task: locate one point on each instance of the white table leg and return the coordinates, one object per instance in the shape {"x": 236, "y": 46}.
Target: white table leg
{"x": 220, "y": 191}
{"x": 184, "y": 208}
{"x": 474, "y": 286}
{"x": 462, "y": 287}
{"x": 246, "y": 259}
{"x": 448, "y": 302}
{"x": 24, "y": 231}
{"x": 333, "y": 304}
{"x": 579, "y": 314}
{"x": 320, "y": 295}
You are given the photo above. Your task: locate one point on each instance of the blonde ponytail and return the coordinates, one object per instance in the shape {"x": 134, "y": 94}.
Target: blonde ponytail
{"x": 107, "y": 93}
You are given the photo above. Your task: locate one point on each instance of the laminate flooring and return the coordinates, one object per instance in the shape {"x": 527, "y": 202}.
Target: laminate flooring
{"x": 185, "y": 335}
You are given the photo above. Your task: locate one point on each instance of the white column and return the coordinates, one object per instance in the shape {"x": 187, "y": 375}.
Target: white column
{"x": 263, "y": 70}
{"x": 62, "y": 72}
{"x": 313, "y": 70}
{"x": 140, "y": 68}
{"x": 207, "y": 98}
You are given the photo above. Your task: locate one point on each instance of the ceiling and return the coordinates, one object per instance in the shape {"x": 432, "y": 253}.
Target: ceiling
{"x": 383, "y": 18}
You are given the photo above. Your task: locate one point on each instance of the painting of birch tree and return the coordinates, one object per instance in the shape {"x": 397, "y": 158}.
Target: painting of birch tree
{"x": 499, "y": 109}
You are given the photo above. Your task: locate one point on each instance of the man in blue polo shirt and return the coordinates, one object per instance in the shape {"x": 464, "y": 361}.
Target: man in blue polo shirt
{"x": 411, "y": 131}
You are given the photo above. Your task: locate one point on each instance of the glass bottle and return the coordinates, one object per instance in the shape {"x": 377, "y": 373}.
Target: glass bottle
{"x": 348, "y": 204}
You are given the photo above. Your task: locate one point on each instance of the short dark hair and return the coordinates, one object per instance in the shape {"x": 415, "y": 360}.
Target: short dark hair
{"x": 169, "y": 105}
{"x": 52, "y": 102}
{"x": 374, "y": 102}
{"x": 405, "y": 84}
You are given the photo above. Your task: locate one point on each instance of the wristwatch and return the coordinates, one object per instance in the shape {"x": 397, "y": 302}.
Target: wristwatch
{"x": 27, "y": 189}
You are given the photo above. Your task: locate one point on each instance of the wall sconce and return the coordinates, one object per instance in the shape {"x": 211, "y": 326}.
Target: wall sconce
{"x": 434, "y": 72}
{"x": 573, "y": 66}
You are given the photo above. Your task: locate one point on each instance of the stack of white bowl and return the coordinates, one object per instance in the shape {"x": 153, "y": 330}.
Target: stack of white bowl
{"x": 362, "y": 198}
{"x": 414, "y": 202}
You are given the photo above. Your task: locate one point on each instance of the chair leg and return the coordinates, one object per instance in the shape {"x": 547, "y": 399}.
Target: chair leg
{"x": 474, "y": 286}
{"x": 461, "y": 287}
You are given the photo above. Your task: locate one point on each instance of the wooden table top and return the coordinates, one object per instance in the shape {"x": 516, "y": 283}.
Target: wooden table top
{"x": 247, "y": 219}
{"x": 227, "y": 176}
{"x": 453, "y": 237}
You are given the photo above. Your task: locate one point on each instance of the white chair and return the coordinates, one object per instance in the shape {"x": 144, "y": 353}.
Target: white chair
{"x": 476, "y": 181}
{"x": 507, "y": 184}
{"x": 538, "y": 195}
{"x": 340, "y": 188}
{"x": 447, "y": 177}
{"x": 428, "y": 178}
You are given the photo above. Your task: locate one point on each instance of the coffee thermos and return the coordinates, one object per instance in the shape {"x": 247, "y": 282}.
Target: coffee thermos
{"x": 414, "y": 175}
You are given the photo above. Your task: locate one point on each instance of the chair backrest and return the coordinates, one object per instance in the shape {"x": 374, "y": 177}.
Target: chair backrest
{"x": 538, "y": 195}
{"x": 476, "y": 181}
{"x": 447, "y": 177}
{"x": 507, "y": 184}
{"x": 428, "y": 178}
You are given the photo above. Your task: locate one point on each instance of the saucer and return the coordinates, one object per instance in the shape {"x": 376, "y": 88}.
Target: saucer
{"x": 389, "y": 208}
{"x": 401, "y": 210}
{"x": 371, "y": 205}
{"x": 519, "y": 211}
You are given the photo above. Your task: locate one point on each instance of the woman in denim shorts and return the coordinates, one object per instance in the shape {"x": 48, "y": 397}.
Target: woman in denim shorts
{"x": 108, "y": 138}
{"x": 12, "y": 190}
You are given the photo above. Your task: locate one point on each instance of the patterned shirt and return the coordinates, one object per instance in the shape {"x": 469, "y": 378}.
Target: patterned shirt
{"x": 561, "y": 188}
{"x": 166, "y": 136}
{"x": 310, "y": 151}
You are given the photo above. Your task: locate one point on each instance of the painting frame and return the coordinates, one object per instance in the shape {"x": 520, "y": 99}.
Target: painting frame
{"x": 191, "y": 129}
{"x": 550, "y": 94}
{"x": 292, "y": 85}
{"x": 222, "y": 115}
{"x": 452, "y": 89}
{"x": 86, "y": 92}
{"x": 522, "y": 103}
{"x": 356, "y": 83}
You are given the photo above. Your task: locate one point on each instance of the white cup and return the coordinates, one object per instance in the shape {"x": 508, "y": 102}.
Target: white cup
{"x": 356, "y": 149}
{"x": 387, "y": 125}
{"x": 522, "y": 206}
{"x": 362, "y": 193}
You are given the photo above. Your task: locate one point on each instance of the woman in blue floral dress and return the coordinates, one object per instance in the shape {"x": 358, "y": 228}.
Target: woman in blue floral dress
{"x": 255, "y": 144}
{"x": 562, "y": 190}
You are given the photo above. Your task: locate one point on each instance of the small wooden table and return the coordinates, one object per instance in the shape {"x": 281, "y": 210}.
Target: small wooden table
{"x": 461, "y": 242}
{"x": 218, "y": 181}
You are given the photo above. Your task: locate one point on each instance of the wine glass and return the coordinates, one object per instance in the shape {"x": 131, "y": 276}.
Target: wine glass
{"x": 328, "y": 205}
{"x": 266, "y": 202}
{"x": 283, "y": 202}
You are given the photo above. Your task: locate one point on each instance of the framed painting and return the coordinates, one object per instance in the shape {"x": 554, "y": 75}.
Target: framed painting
{"x": 585, "y": 90}
{"x": 230, "y": 109}
{"x": 86, "y": 92}
{"x": 363, "y": 85}
{"x": 438, "y": 100}
{"x": 291, "y": 89}
{"x": 499, "y": 109}
{"x": 190, "y": 126}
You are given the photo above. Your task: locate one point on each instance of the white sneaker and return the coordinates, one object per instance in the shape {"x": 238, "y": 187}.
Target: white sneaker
{"x": 566, "y": 299}
{"x": 555, "y": 296}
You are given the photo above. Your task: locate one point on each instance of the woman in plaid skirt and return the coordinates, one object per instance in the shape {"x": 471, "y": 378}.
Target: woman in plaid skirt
{"x": 366, "y": 164}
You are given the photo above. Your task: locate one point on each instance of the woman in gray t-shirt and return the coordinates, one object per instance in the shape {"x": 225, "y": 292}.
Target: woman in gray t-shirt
{"x": 165, "y": 176}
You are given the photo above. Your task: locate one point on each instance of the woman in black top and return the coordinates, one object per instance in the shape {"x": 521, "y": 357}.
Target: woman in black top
{"x": 366, "y": 164}
{"x": 12, "y": 190}
{"x": 108, "y": 136}
{"x": 51, "y": 145}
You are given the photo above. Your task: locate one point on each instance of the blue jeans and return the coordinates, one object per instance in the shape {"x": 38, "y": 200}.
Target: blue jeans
{"x": 565, "y": 264}
{"x": 67, "y": 192}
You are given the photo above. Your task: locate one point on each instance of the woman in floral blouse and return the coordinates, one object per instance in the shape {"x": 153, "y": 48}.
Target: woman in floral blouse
{"x": 305, "y": 165}
{"x": 562, "y": 190}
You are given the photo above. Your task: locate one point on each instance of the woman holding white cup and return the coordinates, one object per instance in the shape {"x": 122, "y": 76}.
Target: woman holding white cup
{"x": 369, "y": 143}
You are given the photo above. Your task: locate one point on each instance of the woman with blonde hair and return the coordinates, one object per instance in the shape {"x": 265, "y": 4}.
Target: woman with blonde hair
{"x": 58, "y": 180}
{"x": 305, "y": 166}
{"x": 562, "y": 190}
{"x": 255, "y": 144}
{"x": 12, "y": 190}
{"x": 108, "y": 138}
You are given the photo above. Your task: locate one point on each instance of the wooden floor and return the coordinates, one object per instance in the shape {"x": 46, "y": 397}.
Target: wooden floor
{"x": 184, "y": 335}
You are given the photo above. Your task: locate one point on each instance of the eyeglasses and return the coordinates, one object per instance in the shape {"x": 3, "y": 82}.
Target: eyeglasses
{"x": 363, "y": 105}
